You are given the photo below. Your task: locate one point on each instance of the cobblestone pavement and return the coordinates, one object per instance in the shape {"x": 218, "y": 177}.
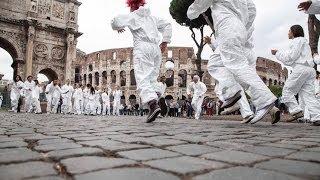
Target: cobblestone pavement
{"x": 53, "y": 147}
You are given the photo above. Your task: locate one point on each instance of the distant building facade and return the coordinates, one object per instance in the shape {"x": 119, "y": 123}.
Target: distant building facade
{"x": 115, "y": 67}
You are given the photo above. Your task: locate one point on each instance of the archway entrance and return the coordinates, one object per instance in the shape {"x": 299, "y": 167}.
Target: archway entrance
{"x": 8, "y": 56}
{"x": 47, "y": 75}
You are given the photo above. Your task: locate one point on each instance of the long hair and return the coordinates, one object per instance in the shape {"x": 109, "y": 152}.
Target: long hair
{"x": 297, "y": 31}
{"x": 135, "y": 4}
{"x": 15, "y": 78}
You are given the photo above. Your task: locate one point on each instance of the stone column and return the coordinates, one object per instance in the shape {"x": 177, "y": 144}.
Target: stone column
{"x": 29, "y": 52}
{"x": 71, "y": 55}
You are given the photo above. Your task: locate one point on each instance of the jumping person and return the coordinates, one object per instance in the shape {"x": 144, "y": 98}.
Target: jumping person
{"x": 301, "y": 80}
{"x": 147, "y": 57}
{"x": 91, "y": 108}
{"x": 224, "y": 78}
{"x": 230, "y": 18}
{"x": 196, "y": 89}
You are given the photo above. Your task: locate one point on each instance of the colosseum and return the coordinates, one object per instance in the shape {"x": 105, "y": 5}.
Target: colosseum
{"x": 115, "y": 67}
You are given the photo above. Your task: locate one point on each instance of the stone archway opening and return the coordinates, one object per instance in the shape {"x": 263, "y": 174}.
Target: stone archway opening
{"x": 47, "y": 75}
{"x": 8, "y": 56}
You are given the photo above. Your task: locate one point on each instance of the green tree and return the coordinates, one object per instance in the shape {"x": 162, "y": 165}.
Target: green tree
{"x": 178, "y": 11}
{"x": 276, "y": 90}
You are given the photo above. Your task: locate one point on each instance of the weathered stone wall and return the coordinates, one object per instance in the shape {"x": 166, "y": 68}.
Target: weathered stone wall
{"x": 40, "y": 35}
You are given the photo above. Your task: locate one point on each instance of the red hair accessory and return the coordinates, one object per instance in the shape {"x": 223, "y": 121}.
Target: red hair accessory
{"x": 135, "y": 4}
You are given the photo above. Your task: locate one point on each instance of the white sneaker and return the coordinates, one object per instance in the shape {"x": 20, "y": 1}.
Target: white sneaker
{"x": 261, "y": 114}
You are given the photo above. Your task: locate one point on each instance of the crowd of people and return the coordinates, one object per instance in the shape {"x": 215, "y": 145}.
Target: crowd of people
{"x": 232, "y": 65}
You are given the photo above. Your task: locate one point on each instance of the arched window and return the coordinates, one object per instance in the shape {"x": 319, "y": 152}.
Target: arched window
{"x": 104, "y": 77}
{"x": 113, "y": 76}
{"x": 170, "y": 78}
{"x": 90, "y": 67}
{"x": 97, "y": 78}
{"x": 123, "y": 78}
{"x": 270, "y": 82}
{"x": 183, "y": 78}
{"x": 85, "y": 79}
{"x": 77, "y": 75}
{"x": 275, "y": 82}
{"x": 90, "y": 79}
{"x": 132, "y": 78}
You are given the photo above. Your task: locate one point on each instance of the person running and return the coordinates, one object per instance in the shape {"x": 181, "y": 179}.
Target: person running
{"x": 35, "y": 94}
{"x": 301, "y": 80}
{"x": 78, "y": 100}
{"x": 148, "y": 46}
{"x": 106, "y": 101}
{"x": 196, "y": 90}
{"x": 29, "y": 85}
{"x": 16, "y": 90}
{"x": 232, "y": 27}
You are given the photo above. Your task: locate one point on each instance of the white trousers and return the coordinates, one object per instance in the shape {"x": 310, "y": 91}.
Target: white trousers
{"x": 98, "y": 107}
{"x": 66, "y": 106}
{"x": 106, "y": 109}
{"x": 14, "y": 101}
{"x": 116, "y": 108}
{"x": 147, "y": 61}
{"x": 36, "y": 105}
{"x": 77, "y": 106}
{"x": 196, "y": 104}
{"x": 49, "y": 102}
{"x": 55, "y": 103}
{"x": 232, "y": 36}
{"x": 28, "y": 101}
{"x": 301, "y": 82}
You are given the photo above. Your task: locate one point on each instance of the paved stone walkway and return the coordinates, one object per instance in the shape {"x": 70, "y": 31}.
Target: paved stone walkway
{"x": 52, "y": 147}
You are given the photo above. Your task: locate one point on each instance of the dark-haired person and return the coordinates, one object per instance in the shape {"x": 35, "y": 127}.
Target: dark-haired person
{"x": 310, "y": 7}
{"x": 16, "y": 90}
{"x": 147, "y": 51}
{"x": 36, "y": 97}
{"x": 29, "y": 85}
{"x": 301, "y": 80}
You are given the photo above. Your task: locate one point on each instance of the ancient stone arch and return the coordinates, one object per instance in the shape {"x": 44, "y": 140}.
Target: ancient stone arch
{"x": 40, "y": 35}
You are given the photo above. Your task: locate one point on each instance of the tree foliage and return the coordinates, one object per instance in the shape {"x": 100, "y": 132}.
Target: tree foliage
{"x": 276, "y": 90}
{"x": 178, "y": 10}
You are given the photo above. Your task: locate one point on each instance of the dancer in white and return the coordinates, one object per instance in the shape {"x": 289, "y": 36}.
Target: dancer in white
{"x": 49, "y": 91}
{"x": 78, "y": 100}
{"x": 56, "y": 95}
{"x": 29, "y": 85}
{"x": 117, "y": 93}
{"x": 67, "y": 90}
{"x": 197, "y": 89}
{"x": 106, "y": 101}
{"x": 36, "y": 97}
{"x": 91, "y": 107}
{"x": 146, "y": 30}
{"x": 221, "y": 74}
{"x": 301, "y": 80}
{"x": 86, "y": 93}
{"x": 17, "y": 87}
{"x": 98, "y": 100}
{"x": 230, "y": 18}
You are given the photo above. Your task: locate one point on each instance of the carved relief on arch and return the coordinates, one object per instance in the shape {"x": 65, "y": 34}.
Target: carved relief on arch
{"x": 57, "y": 52}
{"x": 16, "y": 40}
{"x": 41, "y": 50}
{"x": 58, "y": 9}
{"x": 44, "y": 7}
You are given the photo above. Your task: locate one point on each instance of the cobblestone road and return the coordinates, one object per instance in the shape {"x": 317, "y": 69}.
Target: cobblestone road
{"x": 124, "y": 148}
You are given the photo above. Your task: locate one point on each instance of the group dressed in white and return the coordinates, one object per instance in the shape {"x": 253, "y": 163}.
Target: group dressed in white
{"x": 232, "y": 65}
{"x": 75, "y": 100}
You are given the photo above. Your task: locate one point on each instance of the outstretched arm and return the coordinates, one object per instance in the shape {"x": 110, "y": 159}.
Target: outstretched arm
{"x": 198, "y": 7}
{"x": 289, "y": 56}
{"x": 165, "y": 28}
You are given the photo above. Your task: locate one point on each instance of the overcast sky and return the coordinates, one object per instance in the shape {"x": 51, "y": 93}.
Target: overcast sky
{"x": 274, "y": 18}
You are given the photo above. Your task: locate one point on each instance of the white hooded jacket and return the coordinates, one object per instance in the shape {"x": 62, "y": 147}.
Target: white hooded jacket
{"x": 144, "y": 26}
{"x": 299, "y": 52}
{"x": 198, "y": 89}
